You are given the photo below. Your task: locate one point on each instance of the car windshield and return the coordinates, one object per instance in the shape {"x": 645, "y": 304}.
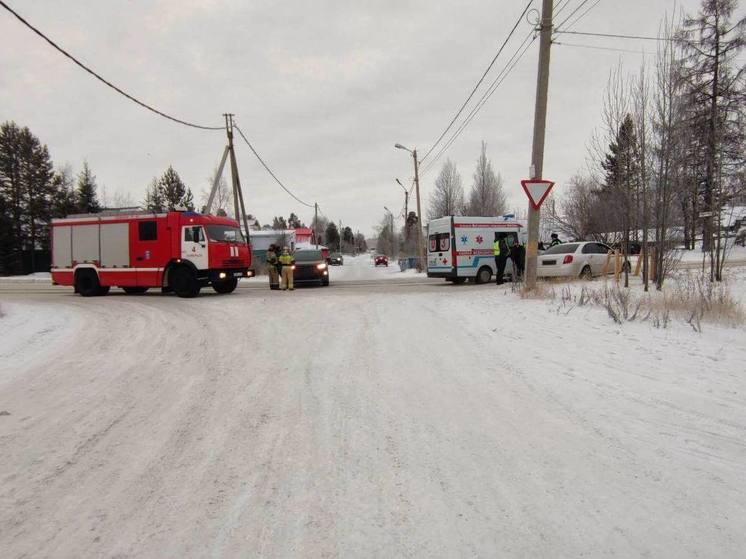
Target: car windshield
{"x": 568, "y": 248}
{"x": 225, "y": 234}
{"x": 308, "y": 255}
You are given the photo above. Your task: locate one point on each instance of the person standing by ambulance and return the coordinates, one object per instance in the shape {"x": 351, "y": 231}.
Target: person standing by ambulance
{"x": 501, "y": 252}
{"x": 287, "y": 262}
{"x": 272, "y": 267}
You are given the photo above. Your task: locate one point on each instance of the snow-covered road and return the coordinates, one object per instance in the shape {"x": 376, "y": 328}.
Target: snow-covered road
{"x": 458, "y": 422}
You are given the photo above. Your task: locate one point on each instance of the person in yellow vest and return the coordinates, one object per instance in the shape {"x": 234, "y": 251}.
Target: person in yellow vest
{"x": 501, "y": 252}
{"x": 288, "y": 263}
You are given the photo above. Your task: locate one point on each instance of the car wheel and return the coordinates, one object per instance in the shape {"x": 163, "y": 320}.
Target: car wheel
{"x": 86, "y": 283}
{"x": 626, "y": 267}
{"x": 225, "y": 286}
{"x": 586, "y": 273}
{"x": 132, "y": 290}
{"x": 484, "y": 275}
{"x": 184, "y": 282}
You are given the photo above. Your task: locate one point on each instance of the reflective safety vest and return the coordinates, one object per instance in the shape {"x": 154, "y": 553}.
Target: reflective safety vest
{"x": 287, "y": 259}
{"x": 496, "y": 248}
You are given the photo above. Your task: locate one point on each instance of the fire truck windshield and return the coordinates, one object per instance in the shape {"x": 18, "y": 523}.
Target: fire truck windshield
{"x": 225, "y": 234}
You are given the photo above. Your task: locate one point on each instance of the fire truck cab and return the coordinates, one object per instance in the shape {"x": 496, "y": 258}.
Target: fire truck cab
{"x": 175, "y": 251}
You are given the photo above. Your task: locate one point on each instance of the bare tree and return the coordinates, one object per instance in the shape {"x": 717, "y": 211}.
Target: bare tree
{"x": 486, "y": 197}
{"x": 223, "y": 201}
{"x": 448, "y": 196}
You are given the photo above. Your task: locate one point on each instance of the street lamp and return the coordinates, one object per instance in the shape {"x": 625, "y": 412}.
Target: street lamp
{"x": 420, "y": 244}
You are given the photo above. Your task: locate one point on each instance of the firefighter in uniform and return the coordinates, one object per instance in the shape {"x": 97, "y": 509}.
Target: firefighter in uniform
{"x": 501, "y": 252}
{"x": 287, "y": 261}
{"x": 272, "y": 264}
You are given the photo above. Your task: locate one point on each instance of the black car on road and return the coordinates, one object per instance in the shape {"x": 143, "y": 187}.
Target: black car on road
{"x": 310, "y": 267}
{"x": 336, "y": 259}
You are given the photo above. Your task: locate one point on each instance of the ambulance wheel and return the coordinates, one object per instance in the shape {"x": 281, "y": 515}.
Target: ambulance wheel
{"x": 183, "y": 282}
{"x": 226, "y": 286}
{"x": 132, "y": 290}
{"x": 86, "y": 283}
{"x": 484, "y": 275}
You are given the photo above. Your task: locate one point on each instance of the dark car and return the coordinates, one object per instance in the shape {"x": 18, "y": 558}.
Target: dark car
{"x": 336, "y": 260}
{"x": 310, "y": 267}
{"x": 382, "y": 260}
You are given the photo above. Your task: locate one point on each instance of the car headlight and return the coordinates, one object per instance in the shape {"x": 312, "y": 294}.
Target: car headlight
{"x": 321, "y": 266}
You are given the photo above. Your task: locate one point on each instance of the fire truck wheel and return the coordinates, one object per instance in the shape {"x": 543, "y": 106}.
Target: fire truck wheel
{"x": 132, "y": 290}
{"x": 225, "y": 286}
{"x": 86, "y": 283}
{"x": 184, "y": 283}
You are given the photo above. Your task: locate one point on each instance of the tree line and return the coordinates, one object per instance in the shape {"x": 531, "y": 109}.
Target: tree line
{"x": 667, "y": 160}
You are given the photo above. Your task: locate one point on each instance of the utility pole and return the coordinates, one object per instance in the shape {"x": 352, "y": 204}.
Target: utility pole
{"x": 420, "y": 244}
{"x": 315, "y": 223}
{"x": 537, "y": 152}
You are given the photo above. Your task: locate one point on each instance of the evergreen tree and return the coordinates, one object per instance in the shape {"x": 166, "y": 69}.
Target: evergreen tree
{"x": 154, "y": 201}
{"x": 28, "y": 191}
{"x": 86, "y": 195}
{"x": 64, "y": 201}
{"x": 294, "y": 222}
{"x": 331, "y": 235}
{"x": 174, "y": 192}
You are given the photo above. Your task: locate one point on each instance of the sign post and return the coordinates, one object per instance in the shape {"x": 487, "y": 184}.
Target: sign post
{"x": 537, "y": 191}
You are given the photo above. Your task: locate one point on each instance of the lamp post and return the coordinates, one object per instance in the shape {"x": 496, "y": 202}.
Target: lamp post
{"x": 406, "y": 200}
{"x": 420, "y": 245}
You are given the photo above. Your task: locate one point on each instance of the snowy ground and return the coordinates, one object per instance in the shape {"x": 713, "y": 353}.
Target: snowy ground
{"x": 458, "y": 421}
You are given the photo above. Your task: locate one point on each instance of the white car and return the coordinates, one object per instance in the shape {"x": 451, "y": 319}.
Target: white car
{"x": 585, "y": 259}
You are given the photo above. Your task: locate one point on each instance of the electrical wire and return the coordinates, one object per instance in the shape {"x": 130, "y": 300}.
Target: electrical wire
{"x": 618, "y": 36}
{"x": 266, "y": 167}
{"x": 560, "y": 7}
{"x": 575, "y": 11}
{"x": 484, "y": 75}
{"x": 101, "y": 79}
{"x": 507, "y": 69}
{"x": 563, "y": 44}
{"x": 581, "y": 16}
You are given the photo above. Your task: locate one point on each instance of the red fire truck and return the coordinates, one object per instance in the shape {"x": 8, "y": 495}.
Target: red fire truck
{"x": 175, "y": 251}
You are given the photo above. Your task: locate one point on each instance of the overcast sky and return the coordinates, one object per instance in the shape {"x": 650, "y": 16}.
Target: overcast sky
{"x": 323, "y": 89}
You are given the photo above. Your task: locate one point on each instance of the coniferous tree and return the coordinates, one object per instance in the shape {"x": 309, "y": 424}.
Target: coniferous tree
{"x": 174, "y": 192}
{"x": 86, "y": 195}
{"x": 154, "y": 201}
{"x": 278, "y": 223}
{"x": 331, "y": 235}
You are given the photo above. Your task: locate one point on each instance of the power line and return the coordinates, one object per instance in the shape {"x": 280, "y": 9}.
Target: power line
{"x": 575, "y": 11}
{"x": 101, "y": 79}
{"x": 585, "y": 13}
{"x": 285, "y": 188}
{"x": 563, "y": 44}
{"x": 484, "y": 75}
{"x": 560, "y": 7}
{"x": 507, "y": 69}
{"x": 619, "y": 36}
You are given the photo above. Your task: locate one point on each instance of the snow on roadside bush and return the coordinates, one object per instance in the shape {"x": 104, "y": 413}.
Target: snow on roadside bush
{"x": 689, "y": 298}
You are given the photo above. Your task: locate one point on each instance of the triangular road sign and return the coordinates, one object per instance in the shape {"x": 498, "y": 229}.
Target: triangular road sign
{"x": 537, "y": 190}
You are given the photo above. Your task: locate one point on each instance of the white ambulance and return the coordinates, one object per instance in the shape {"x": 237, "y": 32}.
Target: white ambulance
{"x": 460, "y": 247}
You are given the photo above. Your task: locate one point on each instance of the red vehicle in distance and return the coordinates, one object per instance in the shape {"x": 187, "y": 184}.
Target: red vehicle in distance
{"x": 381, "y": 260}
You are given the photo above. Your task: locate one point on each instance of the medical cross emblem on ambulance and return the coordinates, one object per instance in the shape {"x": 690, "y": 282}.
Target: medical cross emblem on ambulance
{"x": 479, "y": 239}
{"x": 464, "y": 239}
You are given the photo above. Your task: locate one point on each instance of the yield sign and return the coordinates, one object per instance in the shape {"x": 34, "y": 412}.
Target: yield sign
{"x": 537, "y": 190}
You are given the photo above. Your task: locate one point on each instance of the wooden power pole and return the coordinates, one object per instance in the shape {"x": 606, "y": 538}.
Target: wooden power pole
{"x": 537, "y": 152}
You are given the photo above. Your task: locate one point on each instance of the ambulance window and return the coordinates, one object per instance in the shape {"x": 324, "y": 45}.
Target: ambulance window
{"x": 148, "y": 231}
{"x": 444, "y": 242}
{"x": 433, "y": 243}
